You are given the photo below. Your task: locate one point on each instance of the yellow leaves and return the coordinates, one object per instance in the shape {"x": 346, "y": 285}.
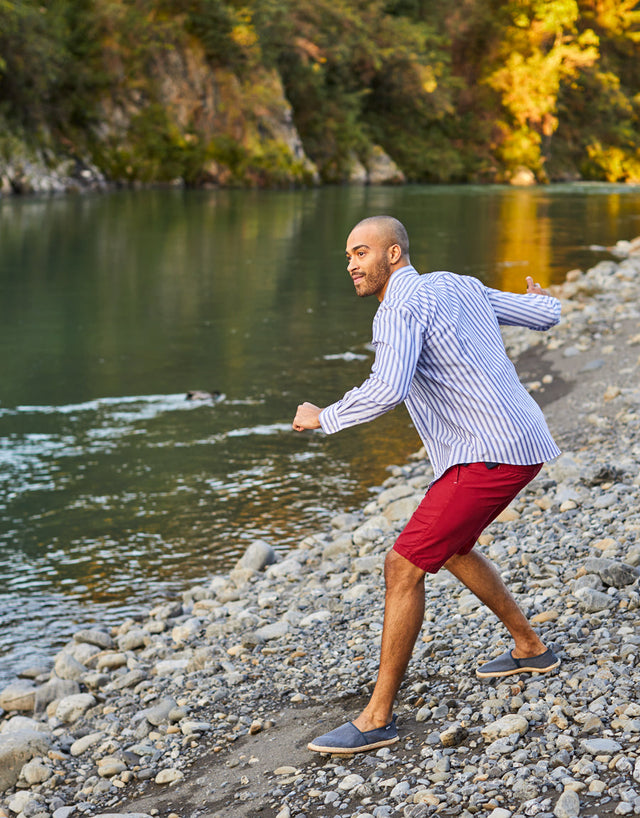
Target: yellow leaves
{"x": 536, "y": 62}
{"x": 529, "y": 82}
{"x": 244, "y": 35}
{"x": 521, "y": 20}
{"x": 617, "y": 17}
{"x": 558, "y": 16}
{"x": 614, "y": 162}
{"x": 243, "y": 32}
{"x": 428, "y": 79}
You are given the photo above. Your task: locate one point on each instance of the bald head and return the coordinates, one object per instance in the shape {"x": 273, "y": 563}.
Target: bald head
{"x": 389, "y": 231}
{"x": 376, "y": 248}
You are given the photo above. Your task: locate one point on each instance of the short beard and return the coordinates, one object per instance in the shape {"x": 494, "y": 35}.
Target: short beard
{"x": 376, "y": 279}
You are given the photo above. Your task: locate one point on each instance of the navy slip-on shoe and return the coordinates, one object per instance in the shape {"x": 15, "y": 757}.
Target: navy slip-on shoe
{"x": 348, "y": 739}
{"x": 508, "y": 665}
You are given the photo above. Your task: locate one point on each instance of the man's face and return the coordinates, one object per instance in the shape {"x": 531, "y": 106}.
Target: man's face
{"x": 368, "y": 262}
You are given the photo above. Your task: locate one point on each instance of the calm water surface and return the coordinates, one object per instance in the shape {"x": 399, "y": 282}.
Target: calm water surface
{"x": 115, "y": 491}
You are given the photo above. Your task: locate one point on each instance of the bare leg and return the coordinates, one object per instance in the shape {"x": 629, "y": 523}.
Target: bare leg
{"x": 481, "y": 577}
{"x": 403, "y": 615}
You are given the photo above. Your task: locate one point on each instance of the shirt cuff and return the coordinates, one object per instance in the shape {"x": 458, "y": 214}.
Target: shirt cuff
{"x": 329, "y": 419}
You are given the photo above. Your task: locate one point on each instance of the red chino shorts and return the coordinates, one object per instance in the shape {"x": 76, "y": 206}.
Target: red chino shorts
{"x": 457, "y": 508}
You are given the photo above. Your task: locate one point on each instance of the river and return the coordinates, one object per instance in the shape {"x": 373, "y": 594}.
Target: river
{"x": 115, "y": 490}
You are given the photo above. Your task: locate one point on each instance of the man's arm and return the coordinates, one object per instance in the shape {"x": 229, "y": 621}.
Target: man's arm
{"x": 397, "y": 340}
{"x": 535, "y": 309}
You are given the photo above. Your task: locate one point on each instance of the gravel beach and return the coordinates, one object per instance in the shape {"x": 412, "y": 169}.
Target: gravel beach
{"x": 203, "y": 706}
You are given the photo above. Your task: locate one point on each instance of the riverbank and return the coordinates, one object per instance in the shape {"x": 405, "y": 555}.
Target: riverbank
{"x": 205, "y": 706}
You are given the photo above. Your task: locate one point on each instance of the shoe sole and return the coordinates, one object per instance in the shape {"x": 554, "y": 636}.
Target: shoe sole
{"x": 319, "y": 748}
{"x": 498, "y": 674}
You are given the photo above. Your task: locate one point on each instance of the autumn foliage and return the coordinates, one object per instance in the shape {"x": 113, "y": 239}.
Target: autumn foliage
{"x": 475, "y": 90}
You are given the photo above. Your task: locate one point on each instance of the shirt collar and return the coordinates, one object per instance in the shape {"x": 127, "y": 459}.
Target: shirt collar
{"x": 396, "y": 275}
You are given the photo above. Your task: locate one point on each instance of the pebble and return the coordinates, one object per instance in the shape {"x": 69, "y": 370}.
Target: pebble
{"x": 81, "y": 745}
{"x": 600, "y": 746}
{"x": 568, "y": 805}
{"x": 506, "y": 726}
{"x": 170, "y": 776}
{"x": 121, "y": 708}
{"x": 349, "y": 782}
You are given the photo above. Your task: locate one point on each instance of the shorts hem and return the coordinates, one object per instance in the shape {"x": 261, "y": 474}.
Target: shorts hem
{"x": 430, "y": 568}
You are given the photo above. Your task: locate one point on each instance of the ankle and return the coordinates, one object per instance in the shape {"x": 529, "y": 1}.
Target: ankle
{"x": 372, "y": 721}
{"x": 528, "y": 649}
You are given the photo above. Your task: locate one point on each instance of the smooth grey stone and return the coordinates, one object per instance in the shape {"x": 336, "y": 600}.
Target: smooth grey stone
{"x": 94, "y": 636}
{"x": 257, "y": 556}
{"x": 593, "y": 601}
{"x": 587, "y": 581}
{"x": 568, "y": 805}
{"x": 275, "y": 630}
{"x": 132, "y": 640}
{"x": 591, "y": 366}
{"x": 73, "y": 707}
{"x": 64, "y": 812}
{"x": 67, "y": 667}
{"x": 600, "y": 746}
{"x": 287, "y": 569}
{"x": 130, "y": 679}
{"x": 612, "y": 572}
{"x": 159, "y": 713}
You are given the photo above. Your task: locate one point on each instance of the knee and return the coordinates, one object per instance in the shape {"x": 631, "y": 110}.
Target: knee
{"x": 452, "y": 563}
{"x": 399, "y": 573}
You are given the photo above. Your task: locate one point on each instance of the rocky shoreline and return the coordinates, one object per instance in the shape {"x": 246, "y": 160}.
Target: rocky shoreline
{"x": 203, "y": 707}
{"x": 42, "y": 172}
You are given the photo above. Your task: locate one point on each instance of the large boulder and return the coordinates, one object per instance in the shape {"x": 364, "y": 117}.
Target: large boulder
{"x": 18, "y": 696}
{"x": 16, "y": 749}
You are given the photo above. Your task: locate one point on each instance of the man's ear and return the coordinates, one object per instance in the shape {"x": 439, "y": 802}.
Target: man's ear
{"x": 395, "y": 253}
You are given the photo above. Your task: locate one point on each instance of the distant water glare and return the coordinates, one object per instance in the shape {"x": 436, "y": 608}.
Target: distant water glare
{"x": 115, "y": 489}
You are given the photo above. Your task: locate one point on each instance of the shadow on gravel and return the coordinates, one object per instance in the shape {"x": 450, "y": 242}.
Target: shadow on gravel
{"x": 532, "y": 367}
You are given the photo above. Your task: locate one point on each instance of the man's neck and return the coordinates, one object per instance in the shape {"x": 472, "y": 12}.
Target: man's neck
{"x": 394, "y": 268}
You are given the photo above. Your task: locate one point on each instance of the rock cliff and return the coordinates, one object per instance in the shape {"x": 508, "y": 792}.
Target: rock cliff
{"x": 182, "y": 122}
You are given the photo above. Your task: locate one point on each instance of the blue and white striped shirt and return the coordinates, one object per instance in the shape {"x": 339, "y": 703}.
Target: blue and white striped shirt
{"x": 439, "y": 349}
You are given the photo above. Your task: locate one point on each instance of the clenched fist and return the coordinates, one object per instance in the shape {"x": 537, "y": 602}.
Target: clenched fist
{"x": 307, "y": 417}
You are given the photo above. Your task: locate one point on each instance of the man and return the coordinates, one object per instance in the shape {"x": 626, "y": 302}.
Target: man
{"x": 438, "y": 348}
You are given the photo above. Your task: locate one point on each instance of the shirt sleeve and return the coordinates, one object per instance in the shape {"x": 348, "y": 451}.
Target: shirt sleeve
{"x": 539, "y": 312}
{"x": 397, "y": 340}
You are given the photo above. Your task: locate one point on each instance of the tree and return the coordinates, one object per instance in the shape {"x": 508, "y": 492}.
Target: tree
{"x": 540, "y": 49}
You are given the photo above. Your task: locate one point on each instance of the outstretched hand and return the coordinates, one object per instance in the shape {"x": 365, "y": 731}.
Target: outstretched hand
{"x": 535, "y": 288}
{"x": 307, "y": 417}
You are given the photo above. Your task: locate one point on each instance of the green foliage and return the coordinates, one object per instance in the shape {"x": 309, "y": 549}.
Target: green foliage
{"x": 451, "y": 91}
{"x": 355, "y": 72}
{"x": 153, "y": 150}
{"x": 218, "y": 27}
{"x": 32, "y": 53}
{"x": 268, "y": 165}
